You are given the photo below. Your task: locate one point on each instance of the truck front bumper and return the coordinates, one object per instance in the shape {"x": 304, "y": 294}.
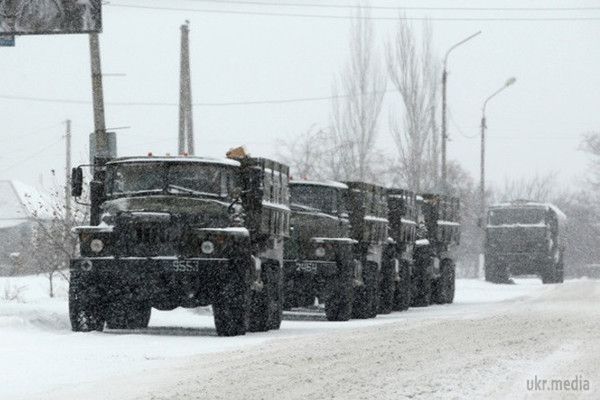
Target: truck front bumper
{"x": 143, "y": 266}
{"x": 521, "y": 263}
{"x": 310, "y": 268}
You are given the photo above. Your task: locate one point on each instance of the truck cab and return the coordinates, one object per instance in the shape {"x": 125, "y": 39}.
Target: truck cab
{"x": 318, "y": 255}
{"x": 402, "y": 216}
{"x": 368, "y": 211}
{"x": 438, "y": 235}
{"x": 167, "y": 232}
{"x": 524, "y": 238}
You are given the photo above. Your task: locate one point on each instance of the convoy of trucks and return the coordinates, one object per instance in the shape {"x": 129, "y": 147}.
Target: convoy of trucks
{"x": 238, "y": 234}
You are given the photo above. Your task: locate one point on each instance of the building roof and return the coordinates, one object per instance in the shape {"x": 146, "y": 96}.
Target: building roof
{"x": 20, "y": 203}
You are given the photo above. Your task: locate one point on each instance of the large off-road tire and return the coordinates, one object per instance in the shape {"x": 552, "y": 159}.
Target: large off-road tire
{"x": 339, "y": 293}
{"x": 231, "y": 306}
{"x": 496, "y": 272}
{"x": 402, "y": 294}
{"x": 297, "y": 293}
{"x": 387, "y": 287}
{"x": 366, "y": 296}
{"x": 86, "y": 310}
{"x": 444, "y": 286}
{"x": 560, "y": 273}
{"x": 554, "y": 274}
{"x": 265, "y": 308}
{"x": 422, "y": 282}
{"x": 276, "y": 298}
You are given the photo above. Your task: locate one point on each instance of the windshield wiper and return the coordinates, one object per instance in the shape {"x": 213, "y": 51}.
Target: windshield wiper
{"x": 190, "y": 191}
{"x": 134, "y": 192}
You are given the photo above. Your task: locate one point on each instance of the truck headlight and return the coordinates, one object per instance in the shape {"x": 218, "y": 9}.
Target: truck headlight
{"x": 320, "y": 251}
{"x": 96, "y": 245}
{"x": 207, "y": 247}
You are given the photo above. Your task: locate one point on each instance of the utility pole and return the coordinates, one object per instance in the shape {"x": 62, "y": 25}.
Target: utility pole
{"x": 435, "y": 149}
{"x": 68, "y": 175}
{"x": 444, "y": 107}
{"x": 186, "y": 123}
{"x": 482, "y": 206}
{"x": 101, "y": 137}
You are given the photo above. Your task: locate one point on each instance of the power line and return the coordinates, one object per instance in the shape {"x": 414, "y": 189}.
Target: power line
{"x": 349, "y": 17}
{"x": 173, "y": 104}
{"x": 40, "y": 151}
{"x": 393, "y": 8}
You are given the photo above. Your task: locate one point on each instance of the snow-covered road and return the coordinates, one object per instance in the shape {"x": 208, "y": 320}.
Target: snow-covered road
{"x": 487, "y": 344}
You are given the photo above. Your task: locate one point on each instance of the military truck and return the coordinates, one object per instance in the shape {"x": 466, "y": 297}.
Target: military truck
{"x": 524, "y": 237}
{"x": 179, "y": 231}
{"x": 319, "y": 260}
{"x": 395, "y": 288}
{"x": 367, "y": 209}
{"x": 438, "y": 234}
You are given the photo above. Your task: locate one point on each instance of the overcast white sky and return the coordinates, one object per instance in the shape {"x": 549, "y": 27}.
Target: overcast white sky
{"x": 534, "y": 126}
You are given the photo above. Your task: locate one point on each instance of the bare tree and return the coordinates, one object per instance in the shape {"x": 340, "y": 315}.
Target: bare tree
{"x": 307, "y": 154}
{"x": 591, "y": 145}
{"x": 52, "y": 243}
{"x": 540, "y": 187}
{"x": 413, "y": 70}
{"x": 357, "y": 100}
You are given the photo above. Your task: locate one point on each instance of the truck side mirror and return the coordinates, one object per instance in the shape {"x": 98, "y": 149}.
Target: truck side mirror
{"x": 76, "y": 182}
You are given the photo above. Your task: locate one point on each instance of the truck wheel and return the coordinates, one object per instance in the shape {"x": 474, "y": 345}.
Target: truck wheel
{"x": 128, "y": 313}
{"x": 366, "y": 296}
{"x": 339, "y": 293}
{"x": 402, "y": 294}
{"x": 232, "y": 302}
{"x": 552, "y": 275}
{"x": 261, "y": 302}
{"x": 85, "y": 310}
{"x": 387, "y": 287}
{"x": 289, "y": 297}
{"x": 496, "y": 272}
{"x": 444, "y": 286}
{"x": 298, "y": 293}
{"x": 422, "y": 283}
{"x": 560, "y": 273}
{"x": 276, "y": 298}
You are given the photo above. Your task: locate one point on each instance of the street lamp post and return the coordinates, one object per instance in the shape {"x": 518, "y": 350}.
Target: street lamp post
{"x": 483, "y": 128}
{"x": 444, "y": 121}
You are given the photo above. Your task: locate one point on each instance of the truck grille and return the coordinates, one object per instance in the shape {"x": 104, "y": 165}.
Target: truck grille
{"x": 145, "y": 240}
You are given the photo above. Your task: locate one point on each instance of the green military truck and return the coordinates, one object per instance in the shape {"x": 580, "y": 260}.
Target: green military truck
{"x": 319, "y": 260}
{"x": 395, "y": 288}
{"x": 167, "y": 232}
{"x": 523, "y": 238}
{"x": 368, "y": 212}
{"x": 438, "y": 234}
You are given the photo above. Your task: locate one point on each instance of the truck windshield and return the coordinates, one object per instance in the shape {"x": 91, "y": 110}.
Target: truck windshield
{"x": 513, "y": 216}
{"x": 321, "y": 198}
{"x": 175, "y": 178}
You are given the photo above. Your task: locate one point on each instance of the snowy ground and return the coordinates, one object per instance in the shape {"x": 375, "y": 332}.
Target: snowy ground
{"x": 41, "y": 358}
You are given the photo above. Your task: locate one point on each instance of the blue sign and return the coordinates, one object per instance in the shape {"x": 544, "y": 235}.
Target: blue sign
{"x": 7, "y": 40}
